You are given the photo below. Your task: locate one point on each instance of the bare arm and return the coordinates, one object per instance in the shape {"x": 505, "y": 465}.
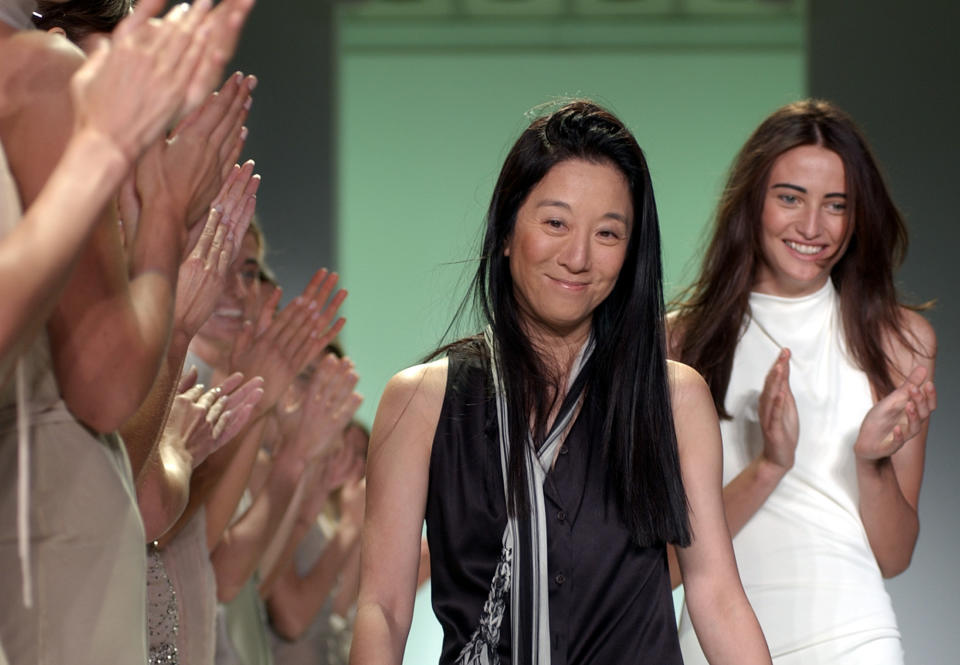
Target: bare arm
{"x": 890, "y": 451}
{"x": 201, "y": 278}
{"x": 92, "y": 130}
{"x": 237, "y": 555}
{"x": 198, "y": 424}
{"x": 328, "y": 406}
{"x": 722, "y": 617}
{"x": 745, "y": 494}
{"x": 397, "y": 475}
{"x": 294, "y": 601}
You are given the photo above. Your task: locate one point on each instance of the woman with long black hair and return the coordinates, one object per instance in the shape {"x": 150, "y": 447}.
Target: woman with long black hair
{"x": 554, "y": 455}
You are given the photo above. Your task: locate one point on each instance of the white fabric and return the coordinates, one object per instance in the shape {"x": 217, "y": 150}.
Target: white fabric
{"x": 804, "y": 558}
{"x": 10, "y": 214}
{"x": 16, "y": 13}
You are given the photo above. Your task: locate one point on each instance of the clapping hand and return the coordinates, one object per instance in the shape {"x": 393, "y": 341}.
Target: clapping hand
{"x": 183, "y": 173}
{"x": 327, "y": 408}
{"x": 777, "y": 411}
{"x": 132, "y": 85}
{"x": 896, "y": 418}
{"x": 203, "y": 273}
{"x": 278, "y": 346}
{"x": 204, "y": 420}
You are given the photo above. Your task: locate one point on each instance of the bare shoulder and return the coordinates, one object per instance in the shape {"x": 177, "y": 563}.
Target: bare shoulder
{"x": 694, "y": 415}
{"x": 420, "y": 384}
{"x": 35, "y": 63}
{"x": 35, "y": 102}
{"x": 688, "y": 390}
{"x": 919, "y": 331}
{"x": 410, "y": 406}
{"x": 921, "y": 336}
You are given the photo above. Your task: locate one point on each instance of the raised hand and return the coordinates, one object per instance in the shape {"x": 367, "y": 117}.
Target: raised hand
{"x": 204, "y": 420}
{"x": 278, "y": 346}
{"x": 203, "y": 273}
{"x": 777, "y": 411}
{"x": 327, "y": 408}
{"x": 187, "y": 170}
{"x": 133, "y": 85}
{"x": 222, "y": 25}
{"x": 896, "y": 418}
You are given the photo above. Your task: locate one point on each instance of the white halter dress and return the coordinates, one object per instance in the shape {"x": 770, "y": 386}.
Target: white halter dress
{"x": 804, "y": 558}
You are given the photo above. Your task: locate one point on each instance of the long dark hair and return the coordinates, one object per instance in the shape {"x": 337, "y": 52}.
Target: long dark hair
{"x": 626, "y": 384}
{"x": 711, "y": 311}
{"x": 79, "y": 18}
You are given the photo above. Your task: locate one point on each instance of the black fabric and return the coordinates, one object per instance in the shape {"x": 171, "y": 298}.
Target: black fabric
{"x": 610, "y": 600}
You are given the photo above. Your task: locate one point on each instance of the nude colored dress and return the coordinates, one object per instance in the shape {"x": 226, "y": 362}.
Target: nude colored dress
{"x": 86, "y": 539}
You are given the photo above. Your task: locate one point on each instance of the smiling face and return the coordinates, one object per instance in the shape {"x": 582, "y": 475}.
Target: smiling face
{"x": 568, "y": 245}
{"x": 804, "y": 222}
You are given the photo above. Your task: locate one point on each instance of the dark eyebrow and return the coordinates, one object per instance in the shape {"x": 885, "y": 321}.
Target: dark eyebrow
{"x": 787, "y": 185}
{"x": 546, "y": 203}
{"x": 803, "y": 190}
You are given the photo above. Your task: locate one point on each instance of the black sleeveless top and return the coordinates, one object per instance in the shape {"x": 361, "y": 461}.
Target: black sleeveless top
{"x": 610, "y": 599}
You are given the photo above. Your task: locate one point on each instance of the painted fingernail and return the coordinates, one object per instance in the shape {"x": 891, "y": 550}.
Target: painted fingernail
{"x": 252, "y": 82}
{"x": 248, "y": 103}
{"x": 243, "y": 133}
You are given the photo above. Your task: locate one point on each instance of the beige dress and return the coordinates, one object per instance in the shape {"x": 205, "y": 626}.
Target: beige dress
{"x": 86, "y": 538}
{"x": 188, "y": 566}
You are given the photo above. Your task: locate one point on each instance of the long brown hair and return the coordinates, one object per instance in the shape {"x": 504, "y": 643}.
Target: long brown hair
{"x": 710, "y": 313}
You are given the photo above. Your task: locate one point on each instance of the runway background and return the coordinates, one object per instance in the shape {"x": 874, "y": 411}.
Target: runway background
{"x": 380, "y": 127}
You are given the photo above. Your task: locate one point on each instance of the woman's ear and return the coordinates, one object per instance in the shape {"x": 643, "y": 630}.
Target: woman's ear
{"x": 57, "y": 31}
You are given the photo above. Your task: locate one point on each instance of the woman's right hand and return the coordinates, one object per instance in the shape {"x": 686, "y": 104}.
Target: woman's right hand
{"x": 896, "y": 418}
{"x": 183, "y": 173}
{"x": 327, "y": 408}
{"x": 203, "y": 272}
{"x": 203, "y": 421}
{"x": 777, "y": 411}
{"x": 133, "y": 86}
{"x": 278, "y": 347}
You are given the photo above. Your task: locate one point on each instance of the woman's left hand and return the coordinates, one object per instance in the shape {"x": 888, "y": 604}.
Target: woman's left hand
{"x": 203, "y": 272}
{"x": 187, "y": 170}
{"x": 206, "y": 420}
{"x": 896, "y": 418}
{"x": 329, "y": 405}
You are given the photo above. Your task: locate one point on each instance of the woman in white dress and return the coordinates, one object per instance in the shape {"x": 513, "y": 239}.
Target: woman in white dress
{"x": 824, "y": 382}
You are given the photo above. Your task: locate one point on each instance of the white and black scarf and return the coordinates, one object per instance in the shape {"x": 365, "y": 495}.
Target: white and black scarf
{"x": 522, "y": 567}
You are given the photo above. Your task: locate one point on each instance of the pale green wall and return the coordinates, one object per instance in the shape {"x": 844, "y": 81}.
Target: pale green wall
{"x": 423, "y": 132}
